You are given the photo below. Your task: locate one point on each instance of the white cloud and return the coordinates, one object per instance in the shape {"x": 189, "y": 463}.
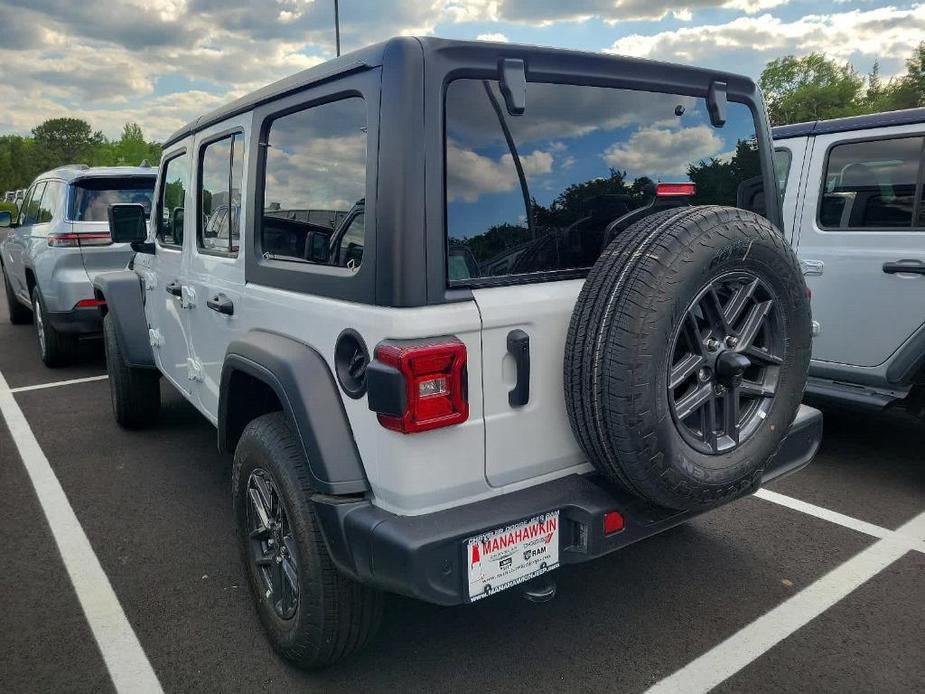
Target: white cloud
{"x": 470, "y": 174}
{"x": 885, "y": 32}
{"x": 666, "y": 151}
{"x": 497, "y": 38}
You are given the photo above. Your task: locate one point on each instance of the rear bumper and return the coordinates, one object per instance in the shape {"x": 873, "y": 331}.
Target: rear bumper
{"x": 79, "y": 321}
{"x": 423, "y": 556}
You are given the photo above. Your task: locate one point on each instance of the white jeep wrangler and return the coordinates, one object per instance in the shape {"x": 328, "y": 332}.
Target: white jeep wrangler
{"x": 464, "y": 313}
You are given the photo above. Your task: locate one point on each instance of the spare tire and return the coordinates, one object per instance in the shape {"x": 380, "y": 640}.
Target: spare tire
{"x": 687, "y": 354}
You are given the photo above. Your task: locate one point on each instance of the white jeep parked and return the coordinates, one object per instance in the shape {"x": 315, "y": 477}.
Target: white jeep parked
{"x": 854, "y": 206}
{"x": 464, "y": 313}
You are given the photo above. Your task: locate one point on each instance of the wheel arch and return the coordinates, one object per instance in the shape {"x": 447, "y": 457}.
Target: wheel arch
{"x": 265, "y": 371}
{"x": 124, "y": 296}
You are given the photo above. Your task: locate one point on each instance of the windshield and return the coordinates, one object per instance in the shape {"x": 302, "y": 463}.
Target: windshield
{"x": 91, "y": 197}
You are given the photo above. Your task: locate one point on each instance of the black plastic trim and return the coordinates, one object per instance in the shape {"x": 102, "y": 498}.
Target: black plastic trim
{"x": 125, "y": 302}
{"x": 78, "y": 321}
{"x": 909, "y": 361}
{"x": 910, "y": 116}
{"x": 518, "y": 346}
{"x": 305, "y": 386}
{"x": 423, "y": 556}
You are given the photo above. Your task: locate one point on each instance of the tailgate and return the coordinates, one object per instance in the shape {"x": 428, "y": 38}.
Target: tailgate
{"x": 97, "y": 259}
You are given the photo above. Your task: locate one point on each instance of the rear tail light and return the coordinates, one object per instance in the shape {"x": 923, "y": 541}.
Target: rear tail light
{"x": 95, "y": 238}
{"x": 90, "y": 303}
{"x": 675, "y": 190}
{"x": 419, "y": 385}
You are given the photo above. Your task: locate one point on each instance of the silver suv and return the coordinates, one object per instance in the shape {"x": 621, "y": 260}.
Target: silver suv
{"x": 855, "y": 211}
{"x": 459, "y": 325}
{"x": 58, "y": 242}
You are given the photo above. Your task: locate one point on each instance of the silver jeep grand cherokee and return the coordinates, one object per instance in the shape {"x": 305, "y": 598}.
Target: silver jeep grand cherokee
{"x": 58, "y": 242}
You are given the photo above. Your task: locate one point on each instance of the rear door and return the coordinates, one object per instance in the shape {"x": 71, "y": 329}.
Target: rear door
{"x": 531, "y": 202}
{"x": 863, "y": 229}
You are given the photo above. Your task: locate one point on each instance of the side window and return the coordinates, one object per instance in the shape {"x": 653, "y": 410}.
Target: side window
{"x": 315, "y": 185}
{"x": 870, "y": 185}
{"x": 782, "y": 159}
{"x": 24, "y": 204}
{"x": 31, "y": 208}
{"x": 52, "y": 204}
{"x": 172, "y": 200}
{"x": 220, "y": 174}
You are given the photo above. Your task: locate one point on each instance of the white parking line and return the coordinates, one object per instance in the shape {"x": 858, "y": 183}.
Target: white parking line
{"x": 910, "y": 541}
{"x": 55, "y": 384}
{"x": 732, "y": 655}
{"x": 125, "y": 659}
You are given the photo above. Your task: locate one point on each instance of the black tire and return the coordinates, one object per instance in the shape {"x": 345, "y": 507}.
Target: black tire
{"x": 19, "y": 314}
{"x": 135, "y": 393}
{"x": 333, "y": 616}
{"x": 55, "y": 349}
{"x": 620, "y": 347}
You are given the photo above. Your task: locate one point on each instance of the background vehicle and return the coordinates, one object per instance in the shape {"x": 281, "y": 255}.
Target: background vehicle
{"x": 854, "y": 206}
{"x": 406, "y": 366}
{"x": 58, "y": 243}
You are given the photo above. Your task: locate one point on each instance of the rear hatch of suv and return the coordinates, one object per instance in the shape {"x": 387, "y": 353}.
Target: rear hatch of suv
{"x": 531, "y": 202}
{"x": 88, "y": 211}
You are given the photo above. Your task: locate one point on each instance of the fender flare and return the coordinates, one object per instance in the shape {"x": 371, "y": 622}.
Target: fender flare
{"x": 125, "y": 302}
{"x": 305, "y": 387}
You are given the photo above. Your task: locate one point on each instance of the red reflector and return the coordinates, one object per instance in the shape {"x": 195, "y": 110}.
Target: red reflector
{"x": 613, "y": 522}
{"x": 434, "y": 383}
{"x": 673, "y": 190}
{"x": 88, "y": 303}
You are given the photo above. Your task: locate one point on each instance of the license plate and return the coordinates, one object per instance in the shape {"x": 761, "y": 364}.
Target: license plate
{"x": 507, "y": 556}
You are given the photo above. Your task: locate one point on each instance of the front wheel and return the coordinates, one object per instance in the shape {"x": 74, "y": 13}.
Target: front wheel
{"x": 314, "y": 616}
{"x": 135, "y": 393}
{"x": 19, "y": 314}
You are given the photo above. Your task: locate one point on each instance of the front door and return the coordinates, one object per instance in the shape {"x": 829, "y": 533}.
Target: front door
{"x": 168, "y": 300}
{"x": 216, "y": 272}
{"x": 863, "y": 233}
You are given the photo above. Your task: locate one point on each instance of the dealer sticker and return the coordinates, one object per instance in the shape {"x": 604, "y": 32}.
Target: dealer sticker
{"x": 505, "y": 557}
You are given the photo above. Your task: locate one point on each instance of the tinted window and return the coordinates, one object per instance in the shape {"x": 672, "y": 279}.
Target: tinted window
{"x": 315, "y": 184}
{"x": 220, "y": 194}
{"x": 589, "y": 159}
{"x": 92, "y": 197}
{"x": 52, "y": 204}
{"x": 31, "y": 208}
{"x": 24, "y": 204}
{"x": 870, "y": 184}
{"x": 782, "y": 158}
{"x": 172, "y": 201}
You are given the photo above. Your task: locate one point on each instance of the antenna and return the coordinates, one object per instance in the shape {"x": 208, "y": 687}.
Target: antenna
{"x": 337, "y": 27}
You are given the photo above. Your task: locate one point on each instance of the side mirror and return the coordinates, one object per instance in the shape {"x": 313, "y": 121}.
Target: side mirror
{"x": 127, "y": 223}
{"x": 6, "y": 219}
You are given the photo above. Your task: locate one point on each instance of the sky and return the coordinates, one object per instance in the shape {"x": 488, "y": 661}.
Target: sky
{"x": 161, "y": 63}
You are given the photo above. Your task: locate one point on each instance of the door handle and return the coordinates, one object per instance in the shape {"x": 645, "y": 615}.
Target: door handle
{"x": 221, "y": 303}
{"x": 518, "y": 346}
{"x": 916, "y": 267}
{"x": 174, "y": 288}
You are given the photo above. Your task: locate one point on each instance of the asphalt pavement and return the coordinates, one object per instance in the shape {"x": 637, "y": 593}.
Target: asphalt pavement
{"x": 156, "y": 508}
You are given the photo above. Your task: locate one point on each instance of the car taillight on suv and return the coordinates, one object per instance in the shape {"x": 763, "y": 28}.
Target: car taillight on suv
{"x": 97, "y": 238}
{"x": 418, "y": 385}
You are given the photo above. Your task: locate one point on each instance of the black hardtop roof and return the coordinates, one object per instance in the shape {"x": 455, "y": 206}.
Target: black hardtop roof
{"x": 909, "y": 116}
{"x": 374, "y": 56}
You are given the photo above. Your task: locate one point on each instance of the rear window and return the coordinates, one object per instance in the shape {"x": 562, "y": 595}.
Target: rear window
{"x": 575, "y": 169}
{"x": 91, "y": 197}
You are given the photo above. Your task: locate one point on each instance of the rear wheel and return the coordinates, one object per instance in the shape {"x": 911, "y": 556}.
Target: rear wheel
{"x": 54, "y": 348}
{"x": 135, "y": 393}
{"x": 313, "y": 614}
{"x": 19, "y": 314}
{"x": 687, "y": 355}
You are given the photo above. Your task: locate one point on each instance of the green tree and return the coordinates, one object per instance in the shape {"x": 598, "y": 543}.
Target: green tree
{"x": 810, "y": 88}
{"x": 65, "y": 141}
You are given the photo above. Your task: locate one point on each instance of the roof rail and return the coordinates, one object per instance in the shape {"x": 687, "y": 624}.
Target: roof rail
{"x": 63, "y": 167}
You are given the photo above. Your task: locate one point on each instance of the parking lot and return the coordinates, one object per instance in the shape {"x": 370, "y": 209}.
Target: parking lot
{"x": 759, "y": 595}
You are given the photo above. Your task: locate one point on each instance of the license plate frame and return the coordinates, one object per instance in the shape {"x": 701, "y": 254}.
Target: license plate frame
{"x": 506, "y": 556}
